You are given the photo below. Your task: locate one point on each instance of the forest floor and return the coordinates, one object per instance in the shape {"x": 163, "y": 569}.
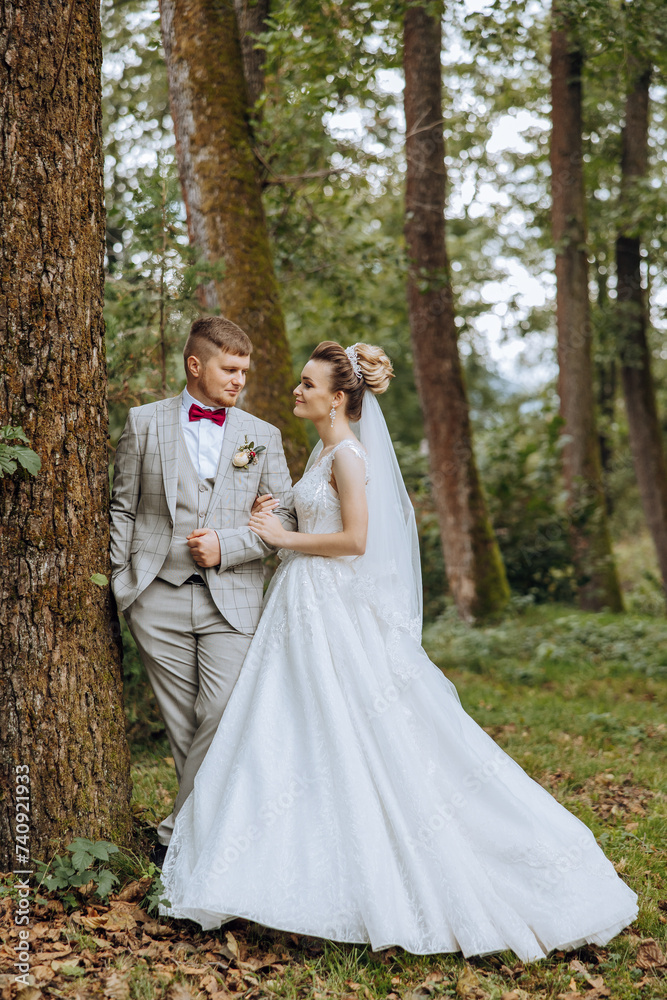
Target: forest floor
{"x": 577, "y": 699}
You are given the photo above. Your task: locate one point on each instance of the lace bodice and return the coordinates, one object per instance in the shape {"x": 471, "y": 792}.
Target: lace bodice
{"x": 316, "y": 501}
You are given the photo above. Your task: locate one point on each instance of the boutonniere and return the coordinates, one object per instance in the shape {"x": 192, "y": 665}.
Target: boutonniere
{"x": 247, "y": 454}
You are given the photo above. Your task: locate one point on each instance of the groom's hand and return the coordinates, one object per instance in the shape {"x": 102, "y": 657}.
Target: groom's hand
{"x": 204, "y": 546}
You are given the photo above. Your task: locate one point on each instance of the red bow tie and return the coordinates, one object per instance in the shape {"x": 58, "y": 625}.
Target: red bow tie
{"x": 199, "y": 413}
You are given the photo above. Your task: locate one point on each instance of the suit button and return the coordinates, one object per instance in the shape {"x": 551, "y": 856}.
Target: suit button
{"x": 171, "y": 523}
{"x": 202, "y": 488}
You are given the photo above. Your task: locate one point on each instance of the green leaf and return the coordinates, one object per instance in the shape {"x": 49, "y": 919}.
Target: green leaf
{"x": 101, "y": 581}
{"x": 81, "y": 860}
{"x": 13, "y": 434}
{"x": 6, "y": 464}
{"x": 29, "y": 459}
{"x": 105, "y": 882}
{"x": 81, "y": 878}
{"x": 260, "y": 448}
{"x": 102, "y": 848}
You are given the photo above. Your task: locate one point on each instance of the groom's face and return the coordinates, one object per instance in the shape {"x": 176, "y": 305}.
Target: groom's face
{"x": 219, "y": 381}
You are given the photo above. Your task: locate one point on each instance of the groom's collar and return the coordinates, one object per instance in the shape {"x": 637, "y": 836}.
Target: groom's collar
{"x": 189, "y": 399}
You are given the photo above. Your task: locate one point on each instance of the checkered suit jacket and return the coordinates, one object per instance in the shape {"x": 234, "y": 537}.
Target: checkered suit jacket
{"x": 143, "y": 506}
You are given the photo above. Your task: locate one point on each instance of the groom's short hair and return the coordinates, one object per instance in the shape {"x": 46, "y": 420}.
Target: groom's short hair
{"x": 210, "y": 332}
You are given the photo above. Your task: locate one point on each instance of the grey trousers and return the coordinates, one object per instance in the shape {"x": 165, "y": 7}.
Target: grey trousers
{"x": 193, "y": 658}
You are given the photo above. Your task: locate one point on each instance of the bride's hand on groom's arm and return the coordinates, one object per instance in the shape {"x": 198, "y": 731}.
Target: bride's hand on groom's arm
{"x": 265, "y": 504}
{"x": 269, "y": 528}
{"x": 204, "y": 546}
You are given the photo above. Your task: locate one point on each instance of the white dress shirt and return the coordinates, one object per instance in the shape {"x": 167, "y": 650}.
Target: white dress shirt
{"x": 203, "y": 438}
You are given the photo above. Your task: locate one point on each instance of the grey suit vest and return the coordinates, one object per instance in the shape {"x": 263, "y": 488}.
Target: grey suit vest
{"x": 192, "y": 500}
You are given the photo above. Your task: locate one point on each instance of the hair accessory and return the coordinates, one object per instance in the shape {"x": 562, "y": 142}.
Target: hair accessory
{"x": 354, "y": 360}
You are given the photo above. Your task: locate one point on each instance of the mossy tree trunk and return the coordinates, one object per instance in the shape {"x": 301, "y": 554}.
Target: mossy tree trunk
{"x": 251, "y": 16}
{"x": 219, "y": 177}
{"x": 474, "y": 566}
{"x": 591, "y": 546}
{"x": 59, "y": 651}
{"x": 646, "y": 442}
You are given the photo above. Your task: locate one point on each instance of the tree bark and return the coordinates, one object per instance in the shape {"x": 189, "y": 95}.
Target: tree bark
{"x": 646, "y": 442}
{"x": 591, "y": 546}
{"x": 251, "y": 16}
{"x": 59, "y": 638}
{"x": 474, "y": 566}
{"x": 218, "y": 172}
{"x": 606, "y": 395}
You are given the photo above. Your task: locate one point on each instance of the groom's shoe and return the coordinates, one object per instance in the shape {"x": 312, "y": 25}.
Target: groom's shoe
{"x": 158, "y": 855}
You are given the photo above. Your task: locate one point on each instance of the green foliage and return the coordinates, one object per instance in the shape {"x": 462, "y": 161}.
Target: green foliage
{"x": 71, "y": 878}
{"x": 13, "y": 455}
{"x": 82, "y": 867}
{"x": 151, "y": 293}
{"x": 532, "y": 647}
{"x": 520, "y": 461}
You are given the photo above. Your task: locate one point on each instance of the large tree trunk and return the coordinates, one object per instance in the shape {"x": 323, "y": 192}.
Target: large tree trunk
{"x": 475, "y": 570}
{"x": 208, "y": 98}
{"x": 591, "y": 546}
{"x": 60, "y": 659}
{"x": 645, "y": 433}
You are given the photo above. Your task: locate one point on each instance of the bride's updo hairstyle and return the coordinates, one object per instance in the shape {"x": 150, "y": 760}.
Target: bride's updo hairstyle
{"x": 376, "y": 372}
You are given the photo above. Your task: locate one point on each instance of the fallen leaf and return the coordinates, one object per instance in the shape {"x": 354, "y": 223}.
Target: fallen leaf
{"x": 61, "y": 963}
{"x": 515, "y": 995}
{"x": 29, "y": 993}
{"x": 119, "y": 920}
{"x": 650, "y": 955}
{"x": 116, "y": 986}
{"x": 89, "y": 923}
{"x": 43, "y": 973}
{"x": 255, "y": 964}
{"x": 178, "y": 991}
{"x": 233, "y": 945}
{"x": 468, "y": 985}
{"x": 209, "y": 984}
{"x": 134, "y": 890}
{"x": 157, "y": 930}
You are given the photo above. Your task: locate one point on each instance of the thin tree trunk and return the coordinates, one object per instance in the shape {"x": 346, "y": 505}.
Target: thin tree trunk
{"x": 591, "y": 546}
{"x": 59, "y": 639}
{"x": 251, "y": 16}
{"x": 606, "y": 394}
{"x": 646, "y": 442}
{"x": 222, "y": 196}
{"x": 474, "y": 566}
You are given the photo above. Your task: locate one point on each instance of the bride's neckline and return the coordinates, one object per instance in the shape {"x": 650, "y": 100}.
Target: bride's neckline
{"x": 321, "y": 457}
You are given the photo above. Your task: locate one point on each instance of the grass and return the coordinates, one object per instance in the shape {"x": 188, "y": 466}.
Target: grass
{"x": 578, "y": 700}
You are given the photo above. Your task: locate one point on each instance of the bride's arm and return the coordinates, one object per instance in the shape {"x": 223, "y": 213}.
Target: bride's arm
{"x": 350, "y": 473}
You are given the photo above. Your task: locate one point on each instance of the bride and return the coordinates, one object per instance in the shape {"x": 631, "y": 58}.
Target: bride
{"x": 347, "y": 794}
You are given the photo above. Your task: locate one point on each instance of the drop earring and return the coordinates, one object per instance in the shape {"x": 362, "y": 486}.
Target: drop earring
{"x": 332, "y": 414}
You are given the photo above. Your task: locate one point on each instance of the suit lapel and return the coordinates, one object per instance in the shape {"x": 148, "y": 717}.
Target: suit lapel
{"x": 234, "y": 430}
{"x": 168, "y": 436}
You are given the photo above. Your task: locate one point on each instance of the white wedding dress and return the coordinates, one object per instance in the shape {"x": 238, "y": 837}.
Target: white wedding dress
{"x": 349, "y": 796}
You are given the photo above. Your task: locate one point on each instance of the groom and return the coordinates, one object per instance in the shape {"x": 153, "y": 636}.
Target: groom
{"x": 186, "y": 570}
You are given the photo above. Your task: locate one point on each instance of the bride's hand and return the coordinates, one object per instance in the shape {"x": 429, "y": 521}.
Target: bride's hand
{"x": 265, "y": 504}
{"x": 269, "y": 528}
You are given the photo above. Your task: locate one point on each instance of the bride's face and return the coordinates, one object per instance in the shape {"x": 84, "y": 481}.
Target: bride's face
{"x": 313, "y": 395}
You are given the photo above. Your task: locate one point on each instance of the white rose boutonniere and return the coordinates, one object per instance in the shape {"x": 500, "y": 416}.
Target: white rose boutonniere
{"x": 247, "y": 455}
